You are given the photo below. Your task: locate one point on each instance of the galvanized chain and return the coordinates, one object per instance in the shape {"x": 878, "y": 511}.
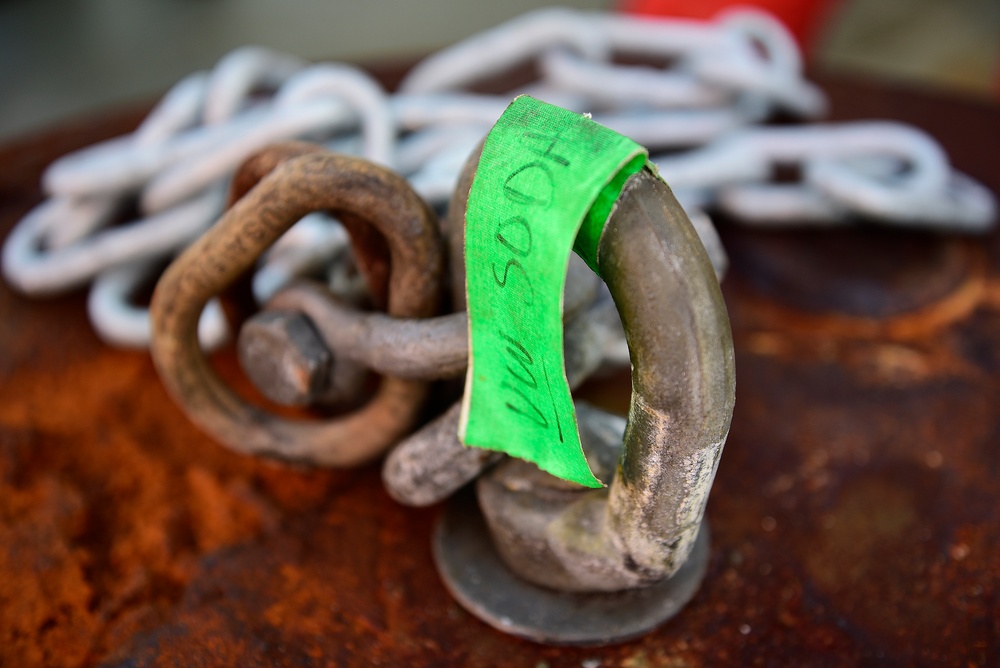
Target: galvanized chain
{"x": 722, "y": 79}
{"x": 877, "y": 170}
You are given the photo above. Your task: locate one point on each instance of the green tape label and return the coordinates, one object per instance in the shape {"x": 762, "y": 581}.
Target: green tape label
{"x": 547, "y": 179}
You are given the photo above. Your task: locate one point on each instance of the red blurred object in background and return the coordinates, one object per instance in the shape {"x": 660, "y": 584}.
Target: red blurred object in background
{"x": 803, "y": 18}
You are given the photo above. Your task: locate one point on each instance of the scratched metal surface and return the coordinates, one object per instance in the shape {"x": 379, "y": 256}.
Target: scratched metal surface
{"x": 855, "y": 518}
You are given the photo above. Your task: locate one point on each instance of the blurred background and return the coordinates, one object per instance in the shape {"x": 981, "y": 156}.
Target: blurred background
{"x": 61, "y": 58}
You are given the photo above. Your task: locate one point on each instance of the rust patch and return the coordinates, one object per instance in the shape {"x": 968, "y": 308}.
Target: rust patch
{"x": 854, "y": 517}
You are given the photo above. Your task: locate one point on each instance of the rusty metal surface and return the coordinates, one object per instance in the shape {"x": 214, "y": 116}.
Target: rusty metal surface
{"x": 855, "y": 517}
{"x": 474, "y": 573}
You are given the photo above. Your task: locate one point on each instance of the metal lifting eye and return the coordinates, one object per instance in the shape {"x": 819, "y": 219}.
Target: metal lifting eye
{"x": 554, "y": 562}
{"x": 273, "y": 190}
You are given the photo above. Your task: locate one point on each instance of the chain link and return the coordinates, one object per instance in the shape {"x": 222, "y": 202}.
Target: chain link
{"x": 717, "y": 82}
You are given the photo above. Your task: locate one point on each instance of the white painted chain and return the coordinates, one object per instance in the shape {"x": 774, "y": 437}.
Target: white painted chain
{"x": 177, "y": 164}
{"x": 721, "y": 79}
{"x": 877, "y": 170}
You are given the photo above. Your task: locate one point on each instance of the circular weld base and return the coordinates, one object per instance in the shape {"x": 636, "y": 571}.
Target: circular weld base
{"x": 477, "y": 578}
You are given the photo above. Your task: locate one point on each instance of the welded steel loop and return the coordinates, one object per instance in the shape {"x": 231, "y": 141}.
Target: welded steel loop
{"x": 499, "y": 49}
{"x": 315, "y": 103}
{"x": 714, "y": 64}
{"x": 729, "y": 73}
{"x": 314, "y": 246}
{"x": 55, "y": 246}
{"x": 252, "y": 98}
{"x": 878, "y": 170}
{"x": 193, "y": 118}
{"x": 374, "y": 200}
{"x": 37, "y": 270}
{"x": 120, "y": 321}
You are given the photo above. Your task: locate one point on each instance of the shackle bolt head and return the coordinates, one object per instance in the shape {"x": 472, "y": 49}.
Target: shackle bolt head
{"x": 284, "y": 357}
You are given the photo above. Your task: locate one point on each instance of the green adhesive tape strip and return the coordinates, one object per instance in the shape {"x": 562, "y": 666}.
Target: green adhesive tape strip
{"x": 546, "y": 183}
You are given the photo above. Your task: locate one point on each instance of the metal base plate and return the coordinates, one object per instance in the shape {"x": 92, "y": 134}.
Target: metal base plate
{"x": 477, "y": 578}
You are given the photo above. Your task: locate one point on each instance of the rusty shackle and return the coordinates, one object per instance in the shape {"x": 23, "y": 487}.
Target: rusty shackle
{"x": 642, "y": 528}
{"x": 546, "y": 559}
{"x": 595, "y": 566}
{"x": 270, "y": 193}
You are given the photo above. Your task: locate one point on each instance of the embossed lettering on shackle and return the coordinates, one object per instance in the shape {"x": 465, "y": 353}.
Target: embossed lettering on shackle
{"x": 595, "y": 566}
{"x": 295, "y": 180}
